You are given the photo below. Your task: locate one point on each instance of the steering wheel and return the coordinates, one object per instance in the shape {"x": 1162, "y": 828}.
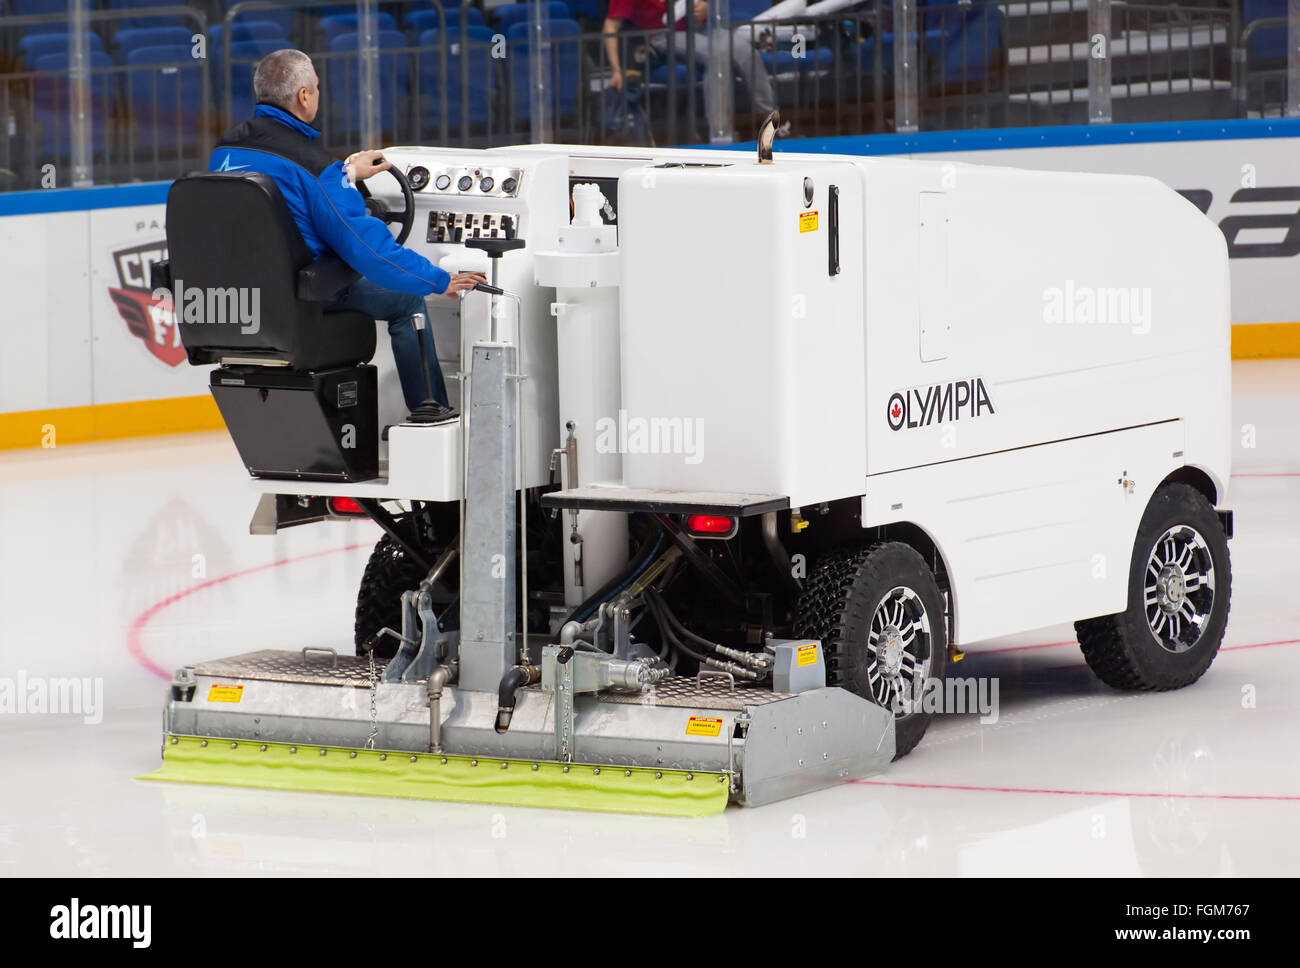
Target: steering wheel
{"x": 379, "y": 209}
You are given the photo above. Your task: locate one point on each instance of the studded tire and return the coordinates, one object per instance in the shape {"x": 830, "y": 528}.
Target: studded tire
{"x": 841, "y": 598}
{"x": 1125, "y": 650}
{"x": 389, "y": 572}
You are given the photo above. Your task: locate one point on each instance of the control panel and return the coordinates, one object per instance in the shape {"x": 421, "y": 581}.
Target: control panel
{"x": 454, "y": 227}
{"x": 491, "y": 182}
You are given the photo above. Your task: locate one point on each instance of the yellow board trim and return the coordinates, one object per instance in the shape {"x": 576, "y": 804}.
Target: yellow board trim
{"x": 145, "y": 418}
{"x": 108, "y": 421}
{"x": 1266, "y": 341}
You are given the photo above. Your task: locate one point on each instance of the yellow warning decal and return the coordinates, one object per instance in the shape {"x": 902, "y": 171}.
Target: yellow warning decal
{"x": 806, "y": 654}
{"x": 223, "y": 692}
{"x": 703, "y": 726}
{"x": 808, "y": 222}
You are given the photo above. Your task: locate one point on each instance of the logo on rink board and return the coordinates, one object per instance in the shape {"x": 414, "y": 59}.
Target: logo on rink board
{"x": 940, "y": 403}
{"x": 148, "y": 319}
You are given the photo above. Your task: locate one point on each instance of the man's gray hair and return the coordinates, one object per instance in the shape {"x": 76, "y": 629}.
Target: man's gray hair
{"x": 280, "y": 76}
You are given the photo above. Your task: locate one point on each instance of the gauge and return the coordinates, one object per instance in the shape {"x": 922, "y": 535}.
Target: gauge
{"x": 486, "y": 184}
{"x": 443, "y": 182}
{"x": 509, "y": 185}
{"x": 465, "y": 183}
{"x": 418, "y": 177}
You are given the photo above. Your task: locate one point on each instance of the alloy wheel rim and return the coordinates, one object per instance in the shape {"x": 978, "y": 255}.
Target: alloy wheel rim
{"x": 898, "y": 651}
{"x": 1178, "y": 588}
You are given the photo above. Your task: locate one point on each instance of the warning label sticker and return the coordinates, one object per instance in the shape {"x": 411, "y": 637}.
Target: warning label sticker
{"x": 806, "y": 654}
{"x": 703, "y": 726}
{"x": 808, "y": 222}
{"x": 223, "y": 692}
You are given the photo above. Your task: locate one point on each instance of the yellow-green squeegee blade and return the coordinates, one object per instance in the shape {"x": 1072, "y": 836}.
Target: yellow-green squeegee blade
{"x": 429, "y": 776}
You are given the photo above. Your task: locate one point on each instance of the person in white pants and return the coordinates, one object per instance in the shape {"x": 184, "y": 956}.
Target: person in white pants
{"x": 652, "y": 15}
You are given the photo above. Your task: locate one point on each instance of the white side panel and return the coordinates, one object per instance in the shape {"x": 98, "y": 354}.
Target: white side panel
{"x": 734, "y": 330}
{"x": 1081, "y": 303}
{"x": 933, "y": 292}
{"x": 1036, "y": 536}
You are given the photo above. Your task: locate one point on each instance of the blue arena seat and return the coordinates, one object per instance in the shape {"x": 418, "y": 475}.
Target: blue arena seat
{"x": 346, "y": 23}
{"x": 135, "y": 22}
{"x": 964, "y": 39}
{"x": 52, "y": 101}
{"x": 566, "y": 62}
{"x": 419, "y": 21}
{"x": 247, "y": 30}
{"x": 166, "y": 102}
{"x": 509, "y": 14}
{"x": 342, "y": 81}
{"x": 133, "y": 38}
{"x": 1269, "y": 44}
{"x": 35, "y": 46}
{"x": 33, "y": 8}
{"x": 284, "y": 17}
{"x": 482, "y": 76}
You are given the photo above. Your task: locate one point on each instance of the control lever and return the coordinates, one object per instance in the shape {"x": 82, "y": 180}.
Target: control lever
{"x": 490, "y": 290}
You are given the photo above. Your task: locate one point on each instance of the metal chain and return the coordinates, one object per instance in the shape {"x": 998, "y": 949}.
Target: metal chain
{"x": 374, "y": 712}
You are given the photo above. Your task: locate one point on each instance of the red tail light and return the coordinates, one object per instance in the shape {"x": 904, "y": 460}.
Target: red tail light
{"x": 710, "y": 524}
{"x": 345, "y": 505}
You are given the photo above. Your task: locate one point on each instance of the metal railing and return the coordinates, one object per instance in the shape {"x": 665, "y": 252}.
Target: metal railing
{"x": 867, "y": 67}
{"x": 59, "y": 126}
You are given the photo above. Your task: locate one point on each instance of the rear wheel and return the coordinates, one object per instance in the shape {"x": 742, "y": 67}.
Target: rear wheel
{"x": 880, "y": 616}
{"x": 1180, "y": 585}
{"x": 389, "y": 572}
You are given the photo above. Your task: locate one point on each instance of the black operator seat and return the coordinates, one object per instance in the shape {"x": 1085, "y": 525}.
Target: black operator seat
{"x": 234, "y": 229}
{"x": 296, "y": 390}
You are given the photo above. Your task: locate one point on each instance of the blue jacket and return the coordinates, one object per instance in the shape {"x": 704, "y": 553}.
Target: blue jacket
{"x": 329, "y": 211}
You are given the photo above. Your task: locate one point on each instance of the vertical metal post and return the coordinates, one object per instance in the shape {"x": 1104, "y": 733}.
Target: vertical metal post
{"x": 540, "y": 75}
{"x": 488, "y": 558}
{"x": 907, "y": 51}
{"x": 79, "y": 88}
{"x": 368, "y": 73}
{"x": 718, "y": 88}
{"x": 1293, "y": 58}
{"x": 1099, "y": 62}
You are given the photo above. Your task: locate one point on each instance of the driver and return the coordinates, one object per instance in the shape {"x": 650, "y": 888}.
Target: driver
{"x": 279, "y": 141}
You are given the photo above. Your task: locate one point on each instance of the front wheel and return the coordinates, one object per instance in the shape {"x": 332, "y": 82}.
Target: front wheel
{"x": 880, "y": 616}
{"x": 1180, "y": 586}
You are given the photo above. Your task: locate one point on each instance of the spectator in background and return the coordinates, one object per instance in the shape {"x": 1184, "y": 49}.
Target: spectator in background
{"x": 652, "y": 15}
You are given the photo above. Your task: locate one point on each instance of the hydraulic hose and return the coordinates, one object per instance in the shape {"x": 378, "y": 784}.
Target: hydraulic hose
{"x": 514, "y": 680}
{"x": 644, "y": 555}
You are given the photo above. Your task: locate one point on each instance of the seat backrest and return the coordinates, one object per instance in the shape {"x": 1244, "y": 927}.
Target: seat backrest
{"x": 233, "y": 230}
{"x": 418, "y": 21}
{"x": 566, "y": 57}
{"x": 345, "y": 23}
{"x": 134, "y": 38}
{"x": 35, "y": 46}
{"x": 509, "y": 14}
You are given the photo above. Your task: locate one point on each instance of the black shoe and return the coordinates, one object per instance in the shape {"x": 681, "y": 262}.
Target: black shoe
{"x": 433, "y": 412}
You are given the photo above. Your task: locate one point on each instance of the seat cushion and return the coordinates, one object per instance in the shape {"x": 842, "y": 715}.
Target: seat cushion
{"x": 341, "y": 339}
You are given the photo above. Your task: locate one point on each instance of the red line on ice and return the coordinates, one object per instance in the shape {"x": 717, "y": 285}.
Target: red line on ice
{"x": 144, "y": 618}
